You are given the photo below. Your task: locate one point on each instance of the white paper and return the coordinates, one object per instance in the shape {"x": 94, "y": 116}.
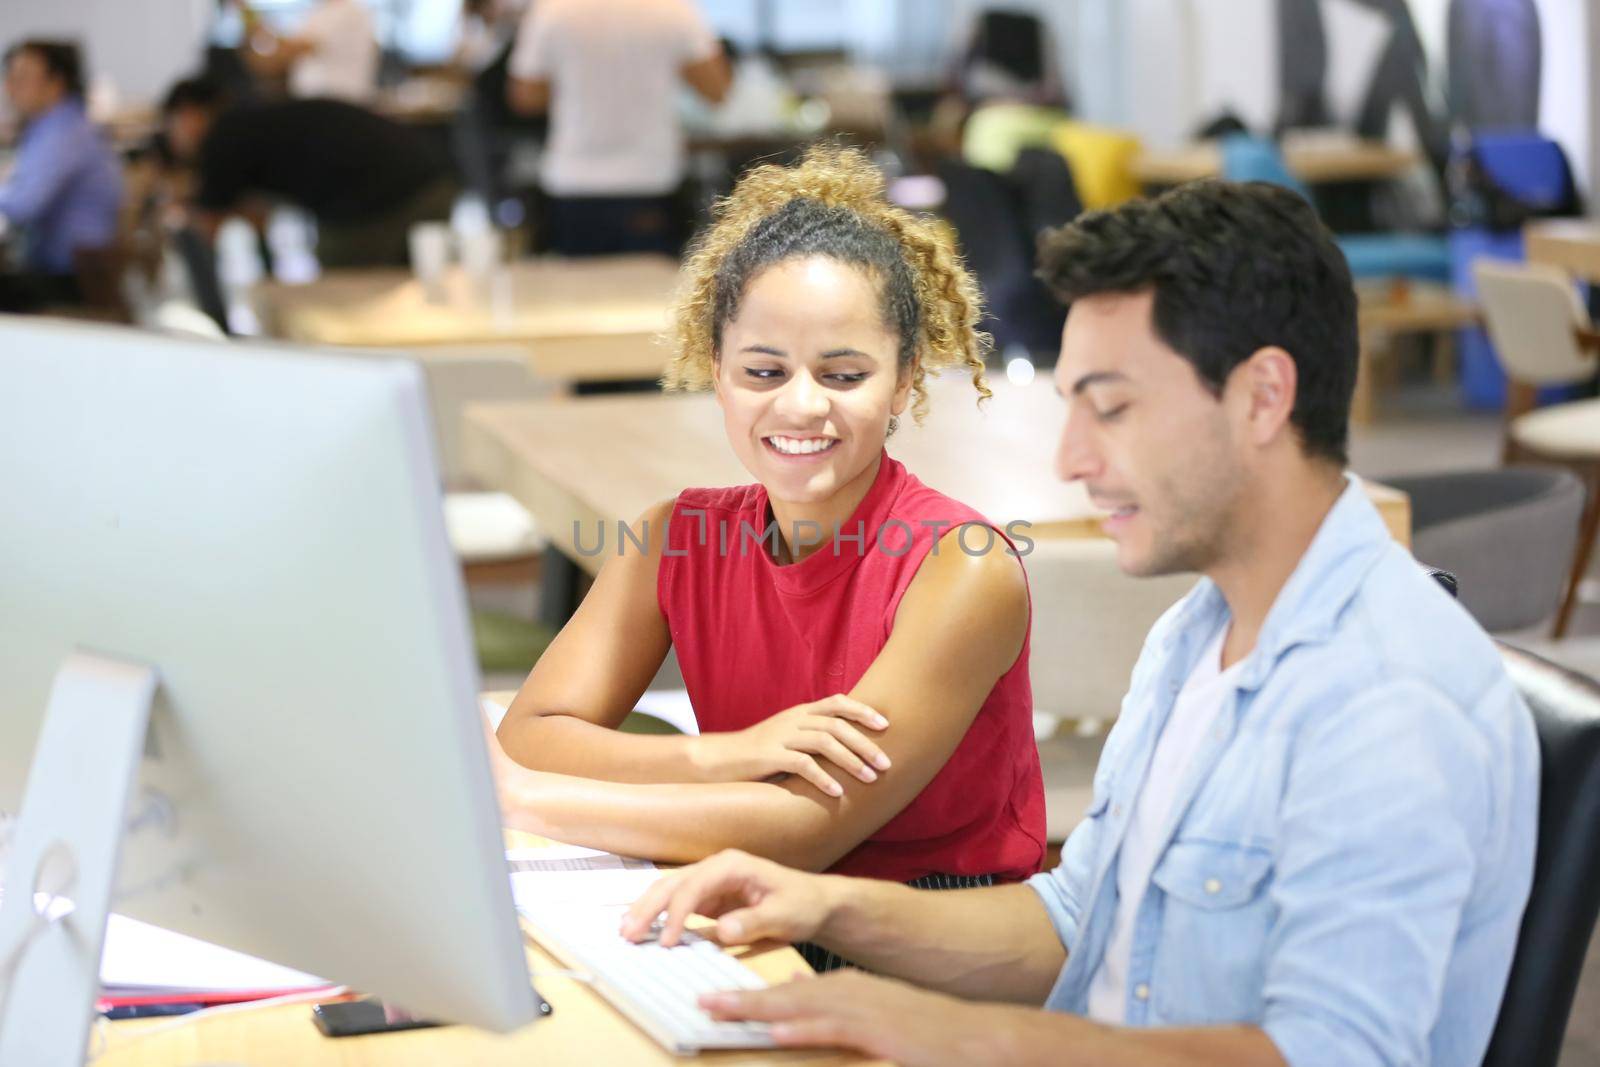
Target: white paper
{"x": 565, "y": 879}
{"x": 141, "y": 957}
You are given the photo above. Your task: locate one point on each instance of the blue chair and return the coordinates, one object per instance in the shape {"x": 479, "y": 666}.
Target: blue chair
{"x": 1248, "y": 158}
{"x": 1520, "y": 174}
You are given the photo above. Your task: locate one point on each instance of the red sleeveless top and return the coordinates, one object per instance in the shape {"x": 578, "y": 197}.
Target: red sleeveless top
{"x": 754, "y": 638}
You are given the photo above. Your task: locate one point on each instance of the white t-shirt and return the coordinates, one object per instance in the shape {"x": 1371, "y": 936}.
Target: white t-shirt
{"x": 344, "y": 64}
{"x": 614, "y": 68}
{"x": 1195, "y": 709}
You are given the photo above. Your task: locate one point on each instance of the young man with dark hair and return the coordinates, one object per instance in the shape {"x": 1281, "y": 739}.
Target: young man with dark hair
{"x": 65, "y": 189}
{"x": 365, "y": 178}
{"x": 1312, "y": 829}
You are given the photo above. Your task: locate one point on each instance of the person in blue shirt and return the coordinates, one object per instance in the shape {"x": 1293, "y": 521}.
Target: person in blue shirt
{"x": 65, "y": 187}
{"x": 1312, "y": 829}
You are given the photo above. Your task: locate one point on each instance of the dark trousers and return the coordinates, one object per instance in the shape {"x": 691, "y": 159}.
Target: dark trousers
{"x": 27, "y": 291}
{"x": 611, "y": 225}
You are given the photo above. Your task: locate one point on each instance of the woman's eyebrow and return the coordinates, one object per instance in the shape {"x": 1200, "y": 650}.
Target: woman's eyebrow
{"x": 765, "y": 350}
{"x": 834, "y": 353}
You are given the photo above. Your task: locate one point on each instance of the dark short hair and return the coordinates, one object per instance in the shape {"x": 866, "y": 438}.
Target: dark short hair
{"x": 1234, "y": 267}
{"x": 61, "y": 59}
{"x": 194, "y": 92}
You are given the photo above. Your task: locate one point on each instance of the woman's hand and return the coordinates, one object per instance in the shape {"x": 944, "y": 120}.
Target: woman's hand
{"x": 796, "y": 741}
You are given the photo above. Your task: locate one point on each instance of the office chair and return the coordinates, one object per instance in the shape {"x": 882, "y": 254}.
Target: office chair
{"x": 1560, "y": 917}
{"x": 1509, "y": 534}
{"x": 1545, "y": 338}
{"x": 1425, "y": 257}
{"x": 199, "y": 260}
{"x": 986, "y": 212}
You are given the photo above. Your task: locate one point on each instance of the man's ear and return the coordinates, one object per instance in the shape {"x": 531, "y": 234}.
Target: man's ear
{"x": 1261, "y": 393}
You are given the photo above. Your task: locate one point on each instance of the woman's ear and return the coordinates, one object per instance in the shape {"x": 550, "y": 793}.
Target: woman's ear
{"x": 902, "y": 389}
{"x": 716, "y": 377}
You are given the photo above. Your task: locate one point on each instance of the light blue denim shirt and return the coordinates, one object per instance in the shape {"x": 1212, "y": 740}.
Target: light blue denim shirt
{"x": 1348, "y": 855}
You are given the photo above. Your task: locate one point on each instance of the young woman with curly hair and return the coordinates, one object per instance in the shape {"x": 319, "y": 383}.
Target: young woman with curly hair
{"x": 860, "y": 679}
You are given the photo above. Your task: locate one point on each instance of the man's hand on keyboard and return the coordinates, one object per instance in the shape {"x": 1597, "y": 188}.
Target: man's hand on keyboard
{"x": 752, "y": 899}
{"x": 880, "y": 1017}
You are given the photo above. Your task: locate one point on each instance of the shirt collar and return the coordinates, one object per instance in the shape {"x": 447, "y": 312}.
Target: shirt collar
{"x": 1347, "y": 545}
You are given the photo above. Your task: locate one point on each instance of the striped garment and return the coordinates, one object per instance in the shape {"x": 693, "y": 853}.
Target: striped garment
{"x": 821, "y": 960}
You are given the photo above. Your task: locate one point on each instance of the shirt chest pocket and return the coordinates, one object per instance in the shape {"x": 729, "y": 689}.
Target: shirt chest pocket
{"x": 1210, "y": 963}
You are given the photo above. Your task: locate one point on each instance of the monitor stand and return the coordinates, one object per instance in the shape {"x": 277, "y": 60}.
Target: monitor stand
{"x": 64, "y": 856}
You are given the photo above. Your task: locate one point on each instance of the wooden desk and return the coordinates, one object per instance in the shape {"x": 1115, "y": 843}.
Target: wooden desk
{"x": 606, "y": 459}
{"x": 574, "y": 320}
{"x": 1386, "y": 309}
{"x": 1572, "y": 244}
{"x": 1312, "y": 161}
{"x": 583, "y": 1029}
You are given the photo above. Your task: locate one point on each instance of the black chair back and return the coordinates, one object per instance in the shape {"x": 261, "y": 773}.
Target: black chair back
{"x": 987, "y": 214}
{"x": 1560, "y": 917}
{"x": 199, "y": 260}
{"x": 1043, "y": 180}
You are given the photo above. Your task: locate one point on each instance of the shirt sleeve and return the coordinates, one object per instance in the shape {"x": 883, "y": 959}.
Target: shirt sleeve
{"x": 44, "y": 166}
{"x": 1385, "y": 809}
{"x": 1064, "y": 889}
{"x": 530, "y": 56}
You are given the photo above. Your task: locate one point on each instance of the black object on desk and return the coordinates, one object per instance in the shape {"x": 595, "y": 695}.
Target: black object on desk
{"x": 347, "y": 1018}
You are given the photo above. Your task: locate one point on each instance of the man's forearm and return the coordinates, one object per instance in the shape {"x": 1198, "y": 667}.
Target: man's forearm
{"x": 982, "y": 944}
{"x": 1026, "y": 1037}
{"x": 528, "y": 96}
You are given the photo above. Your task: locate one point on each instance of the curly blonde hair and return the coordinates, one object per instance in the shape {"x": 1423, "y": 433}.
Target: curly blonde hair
{"x": 831, "y": 204}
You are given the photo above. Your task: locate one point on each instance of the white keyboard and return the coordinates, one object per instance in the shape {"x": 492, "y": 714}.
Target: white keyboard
{"x": 657, "y": 988}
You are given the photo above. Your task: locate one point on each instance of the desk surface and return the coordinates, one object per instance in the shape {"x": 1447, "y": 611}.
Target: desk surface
{"x": 1312, "y": 161}
{"x": 582, "y": 320}
{"x": 1412, "y": 307}
{"x": 608, "y": 459}
{"x": 582, "y": 1029}
{"x": 1573, "y": 244}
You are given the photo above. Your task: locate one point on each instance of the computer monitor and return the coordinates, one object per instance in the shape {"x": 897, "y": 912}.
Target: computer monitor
{"x": 263, "y": 529}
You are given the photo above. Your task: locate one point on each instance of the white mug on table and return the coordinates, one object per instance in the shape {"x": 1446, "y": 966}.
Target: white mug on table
{"x": 430, "y": 258}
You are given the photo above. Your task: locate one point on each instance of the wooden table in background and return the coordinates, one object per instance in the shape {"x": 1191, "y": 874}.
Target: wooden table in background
{"x": 582, "y": 1029}
{"x": 1313, "y": 161}
{"x": 1386, "y": 309}
{"x": 1573, "y": 244}
{"x": 576, "y": 320}
{"x": 578, "y": 464}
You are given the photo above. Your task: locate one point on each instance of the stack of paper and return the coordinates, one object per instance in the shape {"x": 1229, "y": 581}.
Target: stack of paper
{"x": 144, "y": 964}
{"x": 548, "y": 883}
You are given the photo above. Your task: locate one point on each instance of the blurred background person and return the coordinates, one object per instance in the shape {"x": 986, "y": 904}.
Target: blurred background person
{"x": 608, "y": 71}
{"x": 65, "y": 188}
{"x": 364, "y": 178}
{"x": 486, "y": 130}
{"x": 333, "y": 53}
